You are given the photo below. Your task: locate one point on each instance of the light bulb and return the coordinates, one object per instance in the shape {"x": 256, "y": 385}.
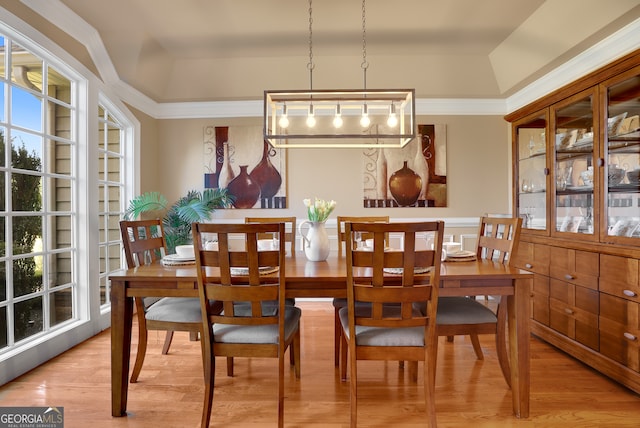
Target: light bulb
{"x": 364, "y": 120}
{"x": 337, "y": 120}
{"x": 392, "y": 120}
{"x": 311, "y": 120}
{"x": 284, "y": 121}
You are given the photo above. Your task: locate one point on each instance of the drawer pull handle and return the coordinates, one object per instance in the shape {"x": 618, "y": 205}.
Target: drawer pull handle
{"x": 569, "y": 277}
{"x": 568, "y": 311}
{"x": 528, "y": 265}
{"x": 629, "y": 336}
{"x": 629, "y": 293}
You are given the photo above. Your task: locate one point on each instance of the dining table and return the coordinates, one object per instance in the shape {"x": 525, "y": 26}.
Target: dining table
{"x": 325, "y": 279}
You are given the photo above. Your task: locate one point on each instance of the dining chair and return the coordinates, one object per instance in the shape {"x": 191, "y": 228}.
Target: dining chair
{"x": 497, "y": 241}
{"x": 290, "y": 229}
{"x": 392, "y": 283}
{"x": 144, "y": 243}
{"x": 252, "y": 329}
{"x": 338, "y": 302}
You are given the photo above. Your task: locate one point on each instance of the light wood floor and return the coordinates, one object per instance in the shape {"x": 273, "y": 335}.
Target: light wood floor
{"x": 564, "y": 392}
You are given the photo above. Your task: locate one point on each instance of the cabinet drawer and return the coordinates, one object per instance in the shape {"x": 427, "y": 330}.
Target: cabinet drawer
{"x": 577, "y": 267}
{"x": 532, "y": 257}
{"x": 619, "y": 276}
{"x": 540, "y": 299}
{"x": 620, "y": 330}
{"x": 573, "y": 311}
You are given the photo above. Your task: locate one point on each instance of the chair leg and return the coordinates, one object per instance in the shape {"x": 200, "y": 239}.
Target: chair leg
{"x": 296, "y": 353}
{"x": 431, "y": 358}
{"x": 344, "y": 351}
{"x": 501, "y": 341}
{"x": 142, "y": 342}
{"x": 353, "y": 389}
{"x": 429, "y": 390}
{"x": 167, "y": 342}
{"x": 230, "y": 366}
{"x": 476, "y": 346}
{"x": 413, "y": 370}
{"x": 209, "y": 364}
{"x": 337, "y": 337}
{"x": 281, "y": 390}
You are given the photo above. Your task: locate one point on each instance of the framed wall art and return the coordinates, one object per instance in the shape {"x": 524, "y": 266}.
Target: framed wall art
{"x": 253, "y": 172}
{"x": 414, "y": 176}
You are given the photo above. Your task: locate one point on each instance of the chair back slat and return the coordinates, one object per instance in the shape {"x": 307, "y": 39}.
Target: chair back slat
{"x": 234, "y": 277}
{"x": 392, "y": 296}
{"x": 143, "y": 240}
{"x": 290, "y": 224}
{"x": 498, "y": 238}
{"x": 342, "y": 235}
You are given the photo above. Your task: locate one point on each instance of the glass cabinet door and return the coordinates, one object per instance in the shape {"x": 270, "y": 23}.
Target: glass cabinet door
{"x": 574, "y": 173}
{"x": 622, "y": 158}
{"x": 532, "y": 172}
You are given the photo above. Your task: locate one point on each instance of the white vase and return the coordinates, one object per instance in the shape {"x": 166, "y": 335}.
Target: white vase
{"x": 226, "y": 172}
{"x": 381, "y": 175}
{"x": 421, "y": 168}
{"x": 315, "y": 241}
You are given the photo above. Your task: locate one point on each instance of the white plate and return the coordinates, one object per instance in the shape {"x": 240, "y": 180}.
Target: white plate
{"x": 264, "y": 270}
{"x": 461, "y": 254}
{"x": 579, "y": 187}
{"x": 400, "y": 271}
{"x": 177, "y": 258}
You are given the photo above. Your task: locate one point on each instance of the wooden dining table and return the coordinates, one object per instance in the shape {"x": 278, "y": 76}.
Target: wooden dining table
{"x": 324, "y": 279}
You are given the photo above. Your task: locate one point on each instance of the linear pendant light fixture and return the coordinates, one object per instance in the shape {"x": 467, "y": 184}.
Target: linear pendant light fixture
{"x": 347, "y": 118}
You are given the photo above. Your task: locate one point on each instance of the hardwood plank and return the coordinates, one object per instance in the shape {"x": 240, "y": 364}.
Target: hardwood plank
{"x": 564, "y": 392}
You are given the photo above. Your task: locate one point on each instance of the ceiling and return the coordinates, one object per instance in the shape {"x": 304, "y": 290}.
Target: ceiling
{"x": 214, "y": 50}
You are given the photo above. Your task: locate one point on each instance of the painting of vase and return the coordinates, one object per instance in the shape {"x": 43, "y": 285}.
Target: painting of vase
{"x": 414, "y": 176}
{"x": 253, "y": 172}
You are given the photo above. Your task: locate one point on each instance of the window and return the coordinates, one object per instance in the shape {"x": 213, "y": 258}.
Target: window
{"x": 111, "y": 138}
{"x": 38, "y": 150}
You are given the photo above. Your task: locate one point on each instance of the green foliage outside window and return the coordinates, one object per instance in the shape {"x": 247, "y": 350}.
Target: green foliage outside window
{"x": 26, "y": 196}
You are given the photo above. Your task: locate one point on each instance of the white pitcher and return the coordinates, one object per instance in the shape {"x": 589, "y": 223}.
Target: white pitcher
{"x": 315, "y": 241}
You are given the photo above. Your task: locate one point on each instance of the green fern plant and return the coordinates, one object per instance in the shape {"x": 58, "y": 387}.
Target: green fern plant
{"x": 176, "y": 219}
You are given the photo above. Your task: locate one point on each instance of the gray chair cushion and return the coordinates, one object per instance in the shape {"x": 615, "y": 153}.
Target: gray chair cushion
{"x": 230, "y": 333}
{"x": 377, "y": 336}
{"x": 339, "y": 302}
{"x": 175, "y": 309}
{"x": 461, "y": 310}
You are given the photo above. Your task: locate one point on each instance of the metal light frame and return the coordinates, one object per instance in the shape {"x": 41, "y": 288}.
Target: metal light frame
{"x": 296, "y": 106}
{"x": 358, "y": 118}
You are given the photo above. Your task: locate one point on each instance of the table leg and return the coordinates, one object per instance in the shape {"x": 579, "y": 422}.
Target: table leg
{"x": 121, "y": 316}
{"x": 519, "y": 337}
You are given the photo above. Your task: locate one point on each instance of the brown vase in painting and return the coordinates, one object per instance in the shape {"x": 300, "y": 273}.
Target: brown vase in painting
{"x": 244, "y": 190}
{"x": 405, "y": 186}
{"x": 266, "y": 175}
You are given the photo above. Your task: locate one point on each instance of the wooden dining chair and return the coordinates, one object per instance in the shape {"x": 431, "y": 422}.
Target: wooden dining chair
{"x": 252, "y": 329}
{"x": 339, "y": 303}
{"x": 390, "y": 327}
{"x": 144, "y": 243}
{"x": 497, "y": 241}
{"x": 290, "y": 230}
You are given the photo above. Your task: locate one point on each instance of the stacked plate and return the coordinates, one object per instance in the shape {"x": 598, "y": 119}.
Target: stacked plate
{"x": 461, "y": 256}
{"x": 264, "y": 270}
{"x": 176, "y": 260}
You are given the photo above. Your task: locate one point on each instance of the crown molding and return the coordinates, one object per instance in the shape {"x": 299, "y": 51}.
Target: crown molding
{"x": 624, "y": 41}
{"x": 618, "y": 44}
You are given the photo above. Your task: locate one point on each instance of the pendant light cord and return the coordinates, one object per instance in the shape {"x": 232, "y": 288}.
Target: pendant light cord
{"x": 310, "y": 64}
{"x": 364, "y": 65}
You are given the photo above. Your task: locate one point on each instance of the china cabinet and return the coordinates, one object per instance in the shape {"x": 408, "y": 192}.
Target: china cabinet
{"x": 576, "y": 169}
